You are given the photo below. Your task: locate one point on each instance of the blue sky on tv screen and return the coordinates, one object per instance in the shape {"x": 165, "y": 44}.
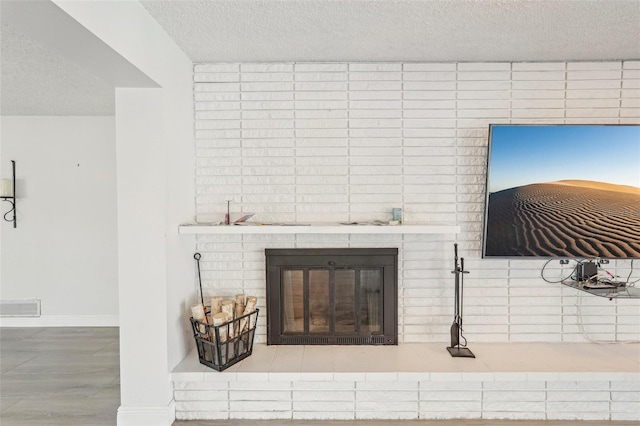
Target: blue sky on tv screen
{"x": 522, "y": 155}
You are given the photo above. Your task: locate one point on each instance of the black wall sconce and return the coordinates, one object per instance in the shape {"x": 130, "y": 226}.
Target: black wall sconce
{"x": 8, "y": 193}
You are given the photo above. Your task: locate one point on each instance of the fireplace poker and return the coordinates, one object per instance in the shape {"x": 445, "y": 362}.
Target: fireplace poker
{"x": 197, "y": 257}
{"x": 456, "y": 350}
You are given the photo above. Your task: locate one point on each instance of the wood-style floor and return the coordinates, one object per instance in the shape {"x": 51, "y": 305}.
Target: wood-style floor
{"x": 59, "y": 376}
{"x": 70, "y": 376}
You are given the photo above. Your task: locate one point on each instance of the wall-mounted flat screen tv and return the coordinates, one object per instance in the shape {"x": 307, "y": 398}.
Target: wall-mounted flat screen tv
{"x": 569, "y": 191}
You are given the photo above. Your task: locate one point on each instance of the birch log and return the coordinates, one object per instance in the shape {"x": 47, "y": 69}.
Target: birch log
{"x": 216, "y": 305}
{"x": 219, "y": 319}
{"x": 229, "y": 308}
{"x": 197, "y": 312}
{"x": 251, "y": 306}
{"x": 239, "y": 305}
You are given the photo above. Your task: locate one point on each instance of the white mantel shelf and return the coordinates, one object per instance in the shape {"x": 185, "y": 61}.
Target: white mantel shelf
{"x": 320, "y": 228}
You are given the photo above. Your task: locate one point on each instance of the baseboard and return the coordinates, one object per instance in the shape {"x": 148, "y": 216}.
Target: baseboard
{"x": 145, "y": 415}
{"x": 62, "y": 321}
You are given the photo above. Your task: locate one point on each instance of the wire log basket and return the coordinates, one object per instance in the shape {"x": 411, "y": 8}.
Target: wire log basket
{"x": 221, "y": 346}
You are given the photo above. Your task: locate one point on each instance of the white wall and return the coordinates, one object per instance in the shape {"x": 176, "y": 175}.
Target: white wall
{"x": 349, "y": 141}
{"x": 63, "y": 251}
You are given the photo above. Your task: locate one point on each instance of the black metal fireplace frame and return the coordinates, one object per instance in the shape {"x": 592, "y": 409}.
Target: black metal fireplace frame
{"x": 279, "y": 260}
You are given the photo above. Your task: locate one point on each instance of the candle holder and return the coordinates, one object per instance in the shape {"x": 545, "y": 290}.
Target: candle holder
{"x": 9, "y": 194}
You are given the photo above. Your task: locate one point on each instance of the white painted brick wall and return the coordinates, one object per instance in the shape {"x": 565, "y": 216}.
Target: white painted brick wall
{"x": 625, "y": 400}
{"x": 517, "y": 395}
{"x": 349, "y": 141}
{"x": 450, "y": 399}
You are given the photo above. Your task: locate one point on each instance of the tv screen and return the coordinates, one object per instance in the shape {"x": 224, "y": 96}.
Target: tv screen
{"x": 563, "y": 191}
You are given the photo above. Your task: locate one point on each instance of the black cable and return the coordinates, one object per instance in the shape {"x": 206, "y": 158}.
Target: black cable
{"x": 629, "y": 276}
{"x": 563, "y": 279}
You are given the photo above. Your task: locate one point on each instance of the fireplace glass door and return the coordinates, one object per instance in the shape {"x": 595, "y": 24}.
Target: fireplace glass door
{"x": 325, "y": 302}
{"x": 340, "y": 301}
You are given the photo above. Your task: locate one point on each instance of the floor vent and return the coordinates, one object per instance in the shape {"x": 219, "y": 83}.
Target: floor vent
{"x": 19, "y": 308}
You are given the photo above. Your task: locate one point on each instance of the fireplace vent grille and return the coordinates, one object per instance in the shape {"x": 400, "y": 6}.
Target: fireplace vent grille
{"x": 304, "y": 340}
{"x": 372, "y": 340}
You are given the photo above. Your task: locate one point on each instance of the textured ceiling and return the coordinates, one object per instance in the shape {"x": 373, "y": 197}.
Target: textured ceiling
{"x": 36, "y": 81}
{"x": 401, "y": 30}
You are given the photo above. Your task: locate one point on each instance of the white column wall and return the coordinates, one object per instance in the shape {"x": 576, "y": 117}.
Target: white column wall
{"x": 141, "y": 245}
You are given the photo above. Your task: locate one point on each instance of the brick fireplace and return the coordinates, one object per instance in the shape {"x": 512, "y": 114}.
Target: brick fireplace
{"x": 332, "y": 296}
{"x": 307, "y": 143}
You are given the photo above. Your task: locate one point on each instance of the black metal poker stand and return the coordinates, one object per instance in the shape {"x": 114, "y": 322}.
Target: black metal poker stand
{"x": 456, "y": 350}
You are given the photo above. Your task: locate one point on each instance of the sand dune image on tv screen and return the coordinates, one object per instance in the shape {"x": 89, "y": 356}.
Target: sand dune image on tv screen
{"x": 569, "y": 218}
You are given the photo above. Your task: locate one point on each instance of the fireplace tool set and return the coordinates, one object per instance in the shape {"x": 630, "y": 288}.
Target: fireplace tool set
{"x": 225, "y": 330}
{"x": 456, "y": 349}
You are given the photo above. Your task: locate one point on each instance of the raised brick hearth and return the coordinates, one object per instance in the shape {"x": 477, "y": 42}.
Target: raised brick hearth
{"x": 417, "y": 381}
